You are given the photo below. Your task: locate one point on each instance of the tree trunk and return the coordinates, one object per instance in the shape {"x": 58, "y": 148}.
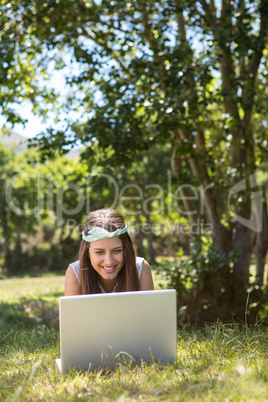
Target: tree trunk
{"x": 220, "y": 234}
{"x": 139, "y": 236}
{"x": 18, "y": 242}
{"x": 150, "y": 238}
{"x": 7, "y": 238}
{"x": 261, "y": 247}
{"x": 242, "y": 244}
{"x": 176, "y": 166}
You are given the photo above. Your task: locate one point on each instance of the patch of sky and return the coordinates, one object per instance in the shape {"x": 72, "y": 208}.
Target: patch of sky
{"x": 53, "y": 80}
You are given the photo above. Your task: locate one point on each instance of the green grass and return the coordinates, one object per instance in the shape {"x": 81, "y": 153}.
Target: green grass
{"x": 216, "y": 363}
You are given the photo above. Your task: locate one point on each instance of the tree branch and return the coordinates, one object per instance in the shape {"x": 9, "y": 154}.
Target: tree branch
{"x": 226, "y": 62}
{"x": 210, "y": 13}
{"x": 212, "y": 7}
{"x": 112, "y": 53}
{"x": 154, "y": 47}
{"x": 249, "y": 92}
{"x": 200, "y": 142}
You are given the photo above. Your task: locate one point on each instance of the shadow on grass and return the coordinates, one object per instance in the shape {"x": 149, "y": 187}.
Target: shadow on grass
{"x": 28, "y": 327}
{"x": 30, "y": 312}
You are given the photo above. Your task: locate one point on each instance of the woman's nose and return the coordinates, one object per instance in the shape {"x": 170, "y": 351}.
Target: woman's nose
{"x": 108, "y": 258}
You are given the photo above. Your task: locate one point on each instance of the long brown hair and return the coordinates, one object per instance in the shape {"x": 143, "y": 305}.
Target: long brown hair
{"x": 110, "y": 220}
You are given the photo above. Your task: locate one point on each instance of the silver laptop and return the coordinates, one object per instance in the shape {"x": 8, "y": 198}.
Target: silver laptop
{"x": 104, "y": 329}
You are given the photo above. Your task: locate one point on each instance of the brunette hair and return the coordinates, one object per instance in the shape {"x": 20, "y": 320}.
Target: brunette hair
{"x": 110, "y": 220}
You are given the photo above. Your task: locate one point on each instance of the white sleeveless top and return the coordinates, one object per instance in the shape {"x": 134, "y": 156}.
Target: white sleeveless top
{"x": 76, "y": 266}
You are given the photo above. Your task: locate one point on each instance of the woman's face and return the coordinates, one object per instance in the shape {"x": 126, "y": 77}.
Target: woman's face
{"x": 107, "y": 258}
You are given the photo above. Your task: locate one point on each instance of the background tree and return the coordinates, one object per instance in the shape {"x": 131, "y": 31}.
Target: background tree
{"x": 5, "y": 230}
{"x": 18, "y": 200}
{"x": 43, "y": 205}
{"x": 41, "y": 208}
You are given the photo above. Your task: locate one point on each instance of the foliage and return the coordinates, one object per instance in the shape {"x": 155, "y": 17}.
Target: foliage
{"x": 44, "y": 205}
{"x": 206, "y": 291}
{"x": 46, "y": 257}
{"x": 39, "y": 203}
{"x": 18, "y": 198}
{"x": 219, "y": 361}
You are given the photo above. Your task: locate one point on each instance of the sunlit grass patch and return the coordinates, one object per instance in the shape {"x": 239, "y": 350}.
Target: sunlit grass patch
{"x": 13, "y": 289}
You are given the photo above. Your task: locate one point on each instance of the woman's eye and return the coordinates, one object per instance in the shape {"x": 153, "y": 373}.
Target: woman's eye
{"x": 118, "y": 251}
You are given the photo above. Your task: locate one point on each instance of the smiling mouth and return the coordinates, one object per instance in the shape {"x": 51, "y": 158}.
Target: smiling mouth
{"x": 109, "y": 269}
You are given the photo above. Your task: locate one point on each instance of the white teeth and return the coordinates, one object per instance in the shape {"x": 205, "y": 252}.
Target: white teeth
{"x": 108, "y": 269}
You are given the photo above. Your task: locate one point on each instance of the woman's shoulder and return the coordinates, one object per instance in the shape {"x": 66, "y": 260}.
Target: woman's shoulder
{"x": 75, "y": 263}
{"x": 72, "y": 282}
{"x": 75, "y": 266}
{"x": 145, "y": 276}
{"x": 139, "y": 263}
{"x": 139, "y": 260}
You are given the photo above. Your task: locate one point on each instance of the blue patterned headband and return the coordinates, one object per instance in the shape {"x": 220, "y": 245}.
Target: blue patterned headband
{"x": 99, "y": 234}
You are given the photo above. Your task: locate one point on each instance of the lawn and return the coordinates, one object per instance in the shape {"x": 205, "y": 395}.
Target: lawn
{"x": 216, "y": 363}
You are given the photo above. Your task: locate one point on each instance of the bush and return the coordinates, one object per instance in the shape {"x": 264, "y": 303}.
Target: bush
{"x": 44, "y": 257}
{"x": 207, "y": 290}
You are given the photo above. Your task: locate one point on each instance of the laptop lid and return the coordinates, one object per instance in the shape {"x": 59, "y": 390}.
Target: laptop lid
{"x": 94, "y": 329}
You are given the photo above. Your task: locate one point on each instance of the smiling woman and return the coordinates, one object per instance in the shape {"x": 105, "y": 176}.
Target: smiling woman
{"x": 107, "y": 258}
{"x": 107, "y": 261}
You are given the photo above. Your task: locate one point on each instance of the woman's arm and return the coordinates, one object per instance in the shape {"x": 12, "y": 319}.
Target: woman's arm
{"x": 72, "y": 286}
{"x": 146, "y": 279}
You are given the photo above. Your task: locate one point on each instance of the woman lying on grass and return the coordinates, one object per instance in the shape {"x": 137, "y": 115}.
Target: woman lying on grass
{"x": 107, "y": 261}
